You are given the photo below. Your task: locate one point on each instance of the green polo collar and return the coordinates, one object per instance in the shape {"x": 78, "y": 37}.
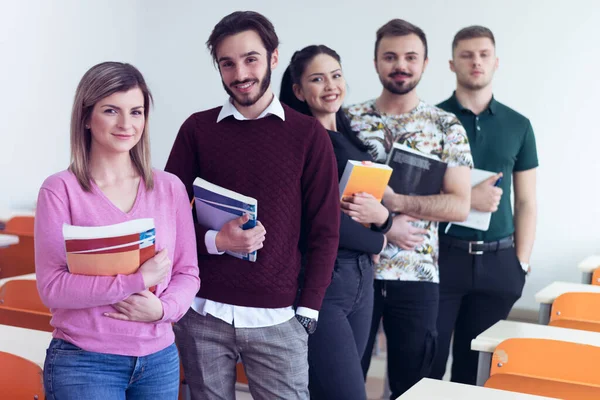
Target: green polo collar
{"x": 492, "y": 107}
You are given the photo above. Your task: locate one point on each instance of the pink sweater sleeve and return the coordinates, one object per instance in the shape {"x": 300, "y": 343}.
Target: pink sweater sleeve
{"x": 185, "y": 282}
{"x": 57, "y": 287}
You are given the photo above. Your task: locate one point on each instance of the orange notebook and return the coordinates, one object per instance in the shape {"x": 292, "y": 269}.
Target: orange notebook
{"x": 109, "y": 250}
{"x": 364, "y": 176}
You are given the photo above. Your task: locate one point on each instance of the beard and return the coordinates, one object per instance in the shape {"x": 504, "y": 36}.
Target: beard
{"x": 399, "y": 88}
{"x": 247, "y": 100}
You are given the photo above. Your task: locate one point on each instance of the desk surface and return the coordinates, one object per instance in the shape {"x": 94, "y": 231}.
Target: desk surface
{"x": 548, "y": 294}
{"x": 6, "y": 214}
{"x": 590, "y": 264}
{"x": 502, "y": 330}
{"x": 28, "y": 277}
{"x": 431, "y": 389}
{"x": 8, "y": 240}
{"x": 27, "y": 343}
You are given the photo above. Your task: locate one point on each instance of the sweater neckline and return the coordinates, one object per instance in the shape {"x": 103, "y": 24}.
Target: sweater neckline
{"x": 129, "y": 213}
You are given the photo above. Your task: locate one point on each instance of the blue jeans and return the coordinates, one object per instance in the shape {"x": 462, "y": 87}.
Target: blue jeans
{"x": 73, "y": 373}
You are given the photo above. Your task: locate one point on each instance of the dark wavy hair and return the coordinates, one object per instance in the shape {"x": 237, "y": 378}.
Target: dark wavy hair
{"x": 241, "y": 21}
{"x": 293, "y": 75}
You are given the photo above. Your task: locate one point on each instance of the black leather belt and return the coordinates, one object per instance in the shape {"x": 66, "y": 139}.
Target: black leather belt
{"x": 479, "y": 247}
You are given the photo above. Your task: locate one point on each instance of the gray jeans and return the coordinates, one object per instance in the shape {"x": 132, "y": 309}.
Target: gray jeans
{"x": 274, "y": 358}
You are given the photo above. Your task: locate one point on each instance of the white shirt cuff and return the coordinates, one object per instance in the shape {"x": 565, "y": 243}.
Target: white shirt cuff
{"x": 210, "y": 240}
{"x": 308, "y": 312}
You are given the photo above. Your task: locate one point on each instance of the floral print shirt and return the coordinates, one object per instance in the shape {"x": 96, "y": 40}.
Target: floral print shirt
{"x": 430, "y": 130}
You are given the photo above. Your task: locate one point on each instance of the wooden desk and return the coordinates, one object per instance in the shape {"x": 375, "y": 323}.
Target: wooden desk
{"x": 587, "y": 268}
{"x": 27, "y": 277}
{"x": 8, "y": 240}
{"x": 26, "y": 343}
{"x": 431, "y": 389}
{"x": 487, "y": 341}
{"x": 6, "y": 214}
{"x": 547, "y": 295}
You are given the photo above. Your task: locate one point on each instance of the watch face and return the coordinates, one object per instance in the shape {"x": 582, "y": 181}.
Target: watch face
{"x": 312, "y": 326}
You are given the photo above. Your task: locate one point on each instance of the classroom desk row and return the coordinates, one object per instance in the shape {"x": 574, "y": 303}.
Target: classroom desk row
{"x": 8, "y": 240}
{"x": 7, "y": 214}
{"x": 546, "y": 296}
{"x": 587, "y": 268}
{"x": 27, "y": 343}
{"x": 432, "y": 389}
{"x": 487, "y": 341}
{"x": 27, "y": 277}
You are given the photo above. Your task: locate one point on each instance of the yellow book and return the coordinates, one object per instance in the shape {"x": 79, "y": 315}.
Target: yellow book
{"x": 364, "y": 176}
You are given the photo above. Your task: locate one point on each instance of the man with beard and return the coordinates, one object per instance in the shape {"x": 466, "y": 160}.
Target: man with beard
{"x": 406, "y": 278}
{"x": 482, "y": 273}
{"x": 260, "y": 148}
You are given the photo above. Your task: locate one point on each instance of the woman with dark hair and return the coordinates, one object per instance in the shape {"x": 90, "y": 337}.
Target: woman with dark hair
{"x": 314, "y": 84}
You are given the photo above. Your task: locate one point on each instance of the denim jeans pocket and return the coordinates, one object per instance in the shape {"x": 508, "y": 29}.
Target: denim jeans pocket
{"x": 63, "y": 347}
{"x": 429, "y": 353}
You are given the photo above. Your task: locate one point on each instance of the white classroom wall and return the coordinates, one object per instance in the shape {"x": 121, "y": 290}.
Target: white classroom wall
{"x": 549, "y": 61}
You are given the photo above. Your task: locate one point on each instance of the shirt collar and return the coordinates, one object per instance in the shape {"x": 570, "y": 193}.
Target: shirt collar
{"x": 274, "y": 108}
{"x": 491, "y": 107}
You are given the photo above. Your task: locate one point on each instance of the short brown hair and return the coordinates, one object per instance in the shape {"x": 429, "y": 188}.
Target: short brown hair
{"x": 241, "y": 21}
{"x": 473, "y": 32}
{"x": 399, "y": 27}
{"x": 98, "y": 82}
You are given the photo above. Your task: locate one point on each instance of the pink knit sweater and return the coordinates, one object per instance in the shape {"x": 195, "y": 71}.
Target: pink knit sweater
{"x": 77, "y": 302}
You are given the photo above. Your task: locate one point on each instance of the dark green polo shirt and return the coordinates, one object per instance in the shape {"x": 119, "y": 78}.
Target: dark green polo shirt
{"x": 501, "y": 140}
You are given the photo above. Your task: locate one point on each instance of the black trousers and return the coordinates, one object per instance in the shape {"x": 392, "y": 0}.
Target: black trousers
{"x": 336, "y": 348}
{"x": 476, "y": 291}
{"x": 409, "y": 312}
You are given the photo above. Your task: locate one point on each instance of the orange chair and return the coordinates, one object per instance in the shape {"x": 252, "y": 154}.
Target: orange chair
{"x": 22, "y": 225}
{"x": 20, "y": 305}
{"x": 240, "y": 374}
{"x": 20, "y": 378}
{"x": 20, "y": 258}
{"x": 548, "y": 368}
{"x": 596, "y": 277}
{"x": 576, "y": 311}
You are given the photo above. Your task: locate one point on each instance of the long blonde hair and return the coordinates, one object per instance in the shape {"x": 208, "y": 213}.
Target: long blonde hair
{"x": 100, "y": 81}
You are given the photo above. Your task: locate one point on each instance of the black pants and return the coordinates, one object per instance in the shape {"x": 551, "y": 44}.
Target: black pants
{"x": 409, "y": 311}
{"x": 336, "y": 348}
{"x": 476, "y": 291}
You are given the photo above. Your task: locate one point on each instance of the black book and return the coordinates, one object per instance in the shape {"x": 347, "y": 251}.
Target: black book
{"x": 415, "y": 173}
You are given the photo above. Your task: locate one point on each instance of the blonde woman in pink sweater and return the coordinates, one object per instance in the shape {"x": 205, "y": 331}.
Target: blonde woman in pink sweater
{"x": 113, "y": 337}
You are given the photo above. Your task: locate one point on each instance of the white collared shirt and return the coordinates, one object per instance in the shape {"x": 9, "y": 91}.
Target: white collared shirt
{"x": 274, "y": 108}
{"x": 246, "y": 317}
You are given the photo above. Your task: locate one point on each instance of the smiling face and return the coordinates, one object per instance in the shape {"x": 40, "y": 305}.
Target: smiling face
{"x": 245, "y": 67}
{"x": 117, "y": 122}
{"x": 474, "y": 61}
{"x": 322, "y": 85}
{"x": 400, "y": 63}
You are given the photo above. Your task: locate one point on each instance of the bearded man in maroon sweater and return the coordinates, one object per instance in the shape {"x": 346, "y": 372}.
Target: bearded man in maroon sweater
{"x": 258, "y": 147}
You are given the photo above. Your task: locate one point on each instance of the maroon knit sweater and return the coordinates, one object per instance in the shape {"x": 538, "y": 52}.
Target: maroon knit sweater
{"x": 290, "y": 168}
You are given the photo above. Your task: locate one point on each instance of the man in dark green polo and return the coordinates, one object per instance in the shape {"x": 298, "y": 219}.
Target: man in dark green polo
{"x": 482, "y": 273}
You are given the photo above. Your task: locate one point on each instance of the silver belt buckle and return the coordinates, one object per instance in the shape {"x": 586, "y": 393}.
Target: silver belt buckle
{"x": 476, "y": 253}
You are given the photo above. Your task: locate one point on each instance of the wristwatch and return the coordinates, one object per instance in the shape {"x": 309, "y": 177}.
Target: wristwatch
{"x": 310, "y": 324}
{"x": 526, "y": 267}
{"x": 387, "y": 225}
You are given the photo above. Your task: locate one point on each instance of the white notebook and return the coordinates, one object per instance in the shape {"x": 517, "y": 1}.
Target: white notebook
{"x": 478, "y": 219}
